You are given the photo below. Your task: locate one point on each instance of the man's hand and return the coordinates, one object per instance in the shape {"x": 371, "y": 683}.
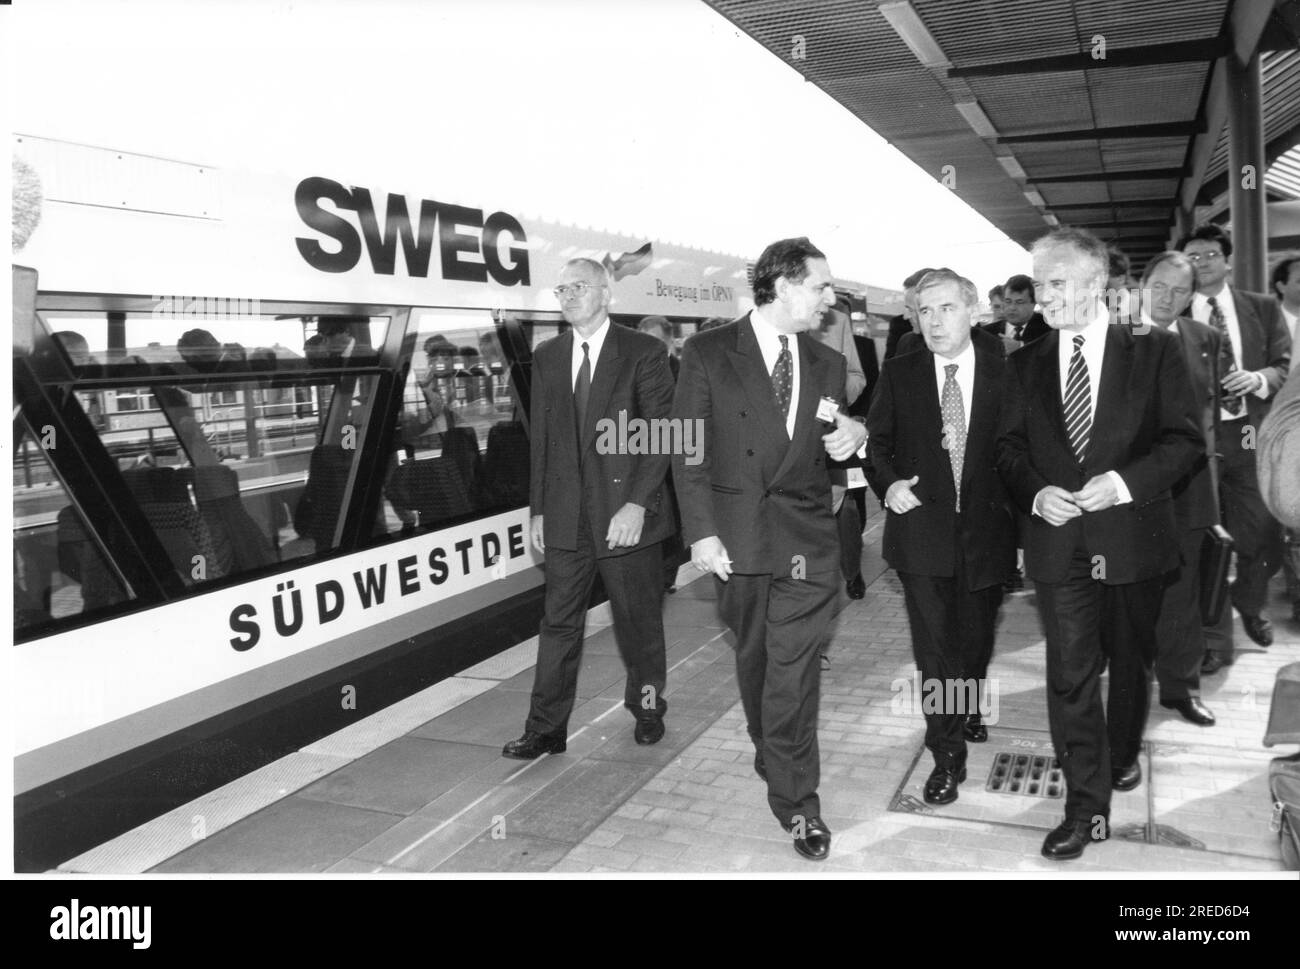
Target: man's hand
{"x": 1056, "y": 505}
{"x": 625, "y": 526}
{"x": 709, "y": 555}
{"x": 847, "y": 437}
{"x": 1242, "y": 382}
{"x": 1098, "y": 494}
{"x": 899, "y": 498}
{"x": 535, "y": 534}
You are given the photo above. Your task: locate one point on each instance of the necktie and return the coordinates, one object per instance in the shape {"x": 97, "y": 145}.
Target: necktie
{"x": 1227, "y": 359}
{"x": 581, "y": 391}
{"x": 1078, "y": 402}
{"x": 954, "y": 425}
{"x": 783, "y": 377}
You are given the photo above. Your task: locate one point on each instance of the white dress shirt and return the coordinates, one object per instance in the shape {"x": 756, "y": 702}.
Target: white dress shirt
{"x": 1228, "y": 306}
{"x": 1094, "y": 352}
{"x": 594, "y": 343}
{"x": 965, "y": 376}
{"x": 769, "y": 344}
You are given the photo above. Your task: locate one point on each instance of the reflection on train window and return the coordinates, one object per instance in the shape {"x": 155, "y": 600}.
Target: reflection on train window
{"x": 110, "y": 344}
{"x": 234, "y": 476}
{"x": 59, "y": 568}
{"x": 461, "y": 445}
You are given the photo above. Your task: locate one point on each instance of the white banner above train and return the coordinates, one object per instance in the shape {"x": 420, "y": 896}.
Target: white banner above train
{"x": 222, "y": 233}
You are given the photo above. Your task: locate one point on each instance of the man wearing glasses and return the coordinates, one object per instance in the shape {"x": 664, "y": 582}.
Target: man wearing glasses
{"x": 594, "y": 511}
{"x": 1255, "y": 356}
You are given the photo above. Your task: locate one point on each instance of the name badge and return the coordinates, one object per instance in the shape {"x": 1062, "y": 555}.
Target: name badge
{"x": 827, "y": 410}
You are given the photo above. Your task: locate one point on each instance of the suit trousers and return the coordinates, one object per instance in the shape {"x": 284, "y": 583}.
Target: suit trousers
{"x": 1180, "y": 642}
{"x": 1089, "y": 624}
{"x": 849, "y": 520}
{"x": 1256, "y": 533}
{"x": 634, "y": 583}
{"x": 952, "y": 642}
{"x": 778, "y": 624}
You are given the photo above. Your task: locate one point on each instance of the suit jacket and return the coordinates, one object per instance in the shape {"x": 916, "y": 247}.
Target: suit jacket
{"x": 1146, "y": 426}
{"x": 905, "y": 425}
{"x": 631, "y": 377}
{"x": 1035, "y": 328}
{"x": 898, "y": 328}
{"x": 1265, "y": 346}
{"x": 912, "y": 342}
{"x": 1196, "y": 503}
{"x": 766, "y": 496}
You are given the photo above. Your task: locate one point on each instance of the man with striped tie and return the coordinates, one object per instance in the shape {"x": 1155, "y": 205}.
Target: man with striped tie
{"x": 1097, "y": 425}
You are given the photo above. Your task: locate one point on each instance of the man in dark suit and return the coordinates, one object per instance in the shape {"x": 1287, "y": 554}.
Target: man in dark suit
{"x": 905, "y": 323}
{"x": 1167, "y": 287}
{"x": 933, "y": 428}
{"x": 756, "y": 511}
{"x": 596, "y": 508}
{"x": 671, "y": 552}
{"x": 1256, "y": 353}
{"x": 1018, "y": 301}
{"x": 1097, "y": 426}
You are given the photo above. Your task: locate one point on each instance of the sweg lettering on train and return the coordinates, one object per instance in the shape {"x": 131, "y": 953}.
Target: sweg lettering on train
{"x": 469, "y": 246}
{"x": 291, "y": 609}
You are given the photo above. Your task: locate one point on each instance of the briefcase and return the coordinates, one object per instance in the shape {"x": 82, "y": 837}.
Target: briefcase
{"x": 1216, "y": 555}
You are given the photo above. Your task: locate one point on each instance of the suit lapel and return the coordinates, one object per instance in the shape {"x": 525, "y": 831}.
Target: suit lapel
{"x": 1049, "y": 387}
{"x": 1109, "y": 413}
{"x": 812, "y": 377}
{"x": 747, "y": 359}
{"x": 608, "y": 365}
{"x": 979, "y": 421}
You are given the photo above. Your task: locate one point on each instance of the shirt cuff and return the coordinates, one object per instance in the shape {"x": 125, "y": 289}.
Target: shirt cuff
{"x": 1262, "y": 392}
{"x": 1124, "y": 497}
{"x": 1033, "y": 507}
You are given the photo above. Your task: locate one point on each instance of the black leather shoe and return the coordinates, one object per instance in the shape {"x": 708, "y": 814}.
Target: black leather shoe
{"x": 669, "y": 589}
{"x": 532, "y": 745}
{"x": 815, "y": 844}
{"x": 941, "y": 785}
{"x": 1212, "y": 663}
{"x": 974, "y": 730}
{"x": 1192, "y": 709}
{"x": 649, "y": 729}
{"x": 1259, "y": 629}
{"x": 760, "y": 768}
{"x": 1126, "y": 778}
{"x": 1068, "y": 839}
{"x": 856, "y": 587}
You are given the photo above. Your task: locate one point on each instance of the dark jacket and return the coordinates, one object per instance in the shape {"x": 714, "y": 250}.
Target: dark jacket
{"x": 905, "y": 425}
{"x": 767, "y": 497}
{"x": 1146, "y": 427}
{"x": 631, "y": 377}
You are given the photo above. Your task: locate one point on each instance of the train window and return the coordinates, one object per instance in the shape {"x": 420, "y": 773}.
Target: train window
{"x": 60, "y": 570}
{"x": 108, "y": 344}
{"x": 461, "y": 444}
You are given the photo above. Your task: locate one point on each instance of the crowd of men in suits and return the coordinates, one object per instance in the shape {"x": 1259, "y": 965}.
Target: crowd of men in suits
{"x": 1105, "y": 436}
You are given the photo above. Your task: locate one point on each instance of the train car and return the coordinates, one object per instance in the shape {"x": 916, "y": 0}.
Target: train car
{"x": 270, "y": 461}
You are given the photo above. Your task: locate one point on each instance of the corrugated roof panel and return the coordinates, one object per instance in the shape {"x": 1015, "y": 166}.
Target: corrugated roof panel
{"x": 1045, "y": 101}
{"x": 1146, "y": 95}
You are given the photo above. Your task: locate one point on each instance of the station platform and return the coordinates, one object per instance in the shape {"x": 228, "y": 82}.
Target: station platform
{"x": 422, "y": 787}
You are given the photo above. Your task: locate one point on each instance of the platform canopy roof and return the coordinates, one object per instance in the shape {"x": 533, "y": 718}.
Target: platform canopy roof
{"x": 1108, "y": 114}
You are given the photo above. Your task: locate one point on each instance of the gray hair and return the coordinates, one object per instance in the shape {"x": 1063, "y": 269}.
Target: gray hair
{"x": 1081, "y": 241}
{"x": 938, "y": 277}
{"x": 600, "y": 269}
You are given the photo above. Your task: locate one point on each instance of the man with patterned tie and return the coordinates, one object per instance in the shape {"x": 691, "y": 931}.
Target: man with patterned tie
{"x": 1098, "y": 424}
{"x": 756, "y": 511}
{"x": 596, "y": 509}
{"x": 1256, "y": 354}
{"x": 932, "y": 431}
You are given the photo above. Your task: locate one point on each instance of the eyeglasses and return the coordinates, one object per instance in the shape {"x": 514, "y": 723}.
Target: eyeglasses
{"x": 576, "y": 290}
{"x": 1199, "y": 257}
